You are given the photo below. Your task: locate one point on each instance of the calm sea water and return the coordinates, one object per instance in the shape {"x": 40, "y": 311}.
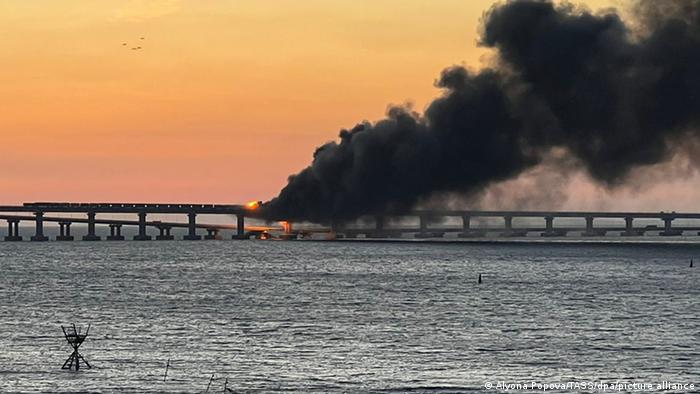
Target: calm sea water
{"x": 346, "y": 317}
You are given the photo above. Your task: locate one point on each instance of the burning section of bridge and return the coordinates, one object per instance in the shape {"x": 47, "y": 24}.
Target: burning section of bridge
{"x": 253, "y": 205}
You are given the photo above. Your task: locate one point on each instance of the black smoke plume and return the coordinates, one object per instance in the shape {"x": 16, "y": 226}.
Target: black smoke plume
{"x": 613, "y": 94}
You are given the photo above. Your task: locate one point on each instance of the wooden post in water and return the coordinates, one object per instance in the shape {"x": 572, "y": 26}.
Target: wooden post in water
{"x": 167, "y": 365}
{"x": 479, "y": 278}
{"x": 209, "y": 385}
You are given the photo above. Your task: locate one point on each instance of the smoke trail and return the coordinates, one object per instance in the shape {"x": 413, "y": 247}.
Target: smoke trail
{"x": 613, "y": 97}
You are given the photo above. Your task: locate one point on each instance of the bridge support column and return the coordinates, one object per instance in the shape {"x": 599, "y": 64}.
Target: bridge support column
{"x": 592, "y": 231}
{"x": 668, "y": 228}
{"x": 378, "y": 228}
{"x": 629, "y": 228}
{"x": 39, "y": 229}
{"x": 142, "y": 236}
{"x": 508, "y": 222}
{"x": 467, "y": 230}
{"x": 64, "y": 234}
{"x": 549, "y": 227}
{"x": 164, "y": 233}
{"x": 13, "y": 230}
{"x": 192, "y": 228}
{"x": 115, "y": 232}
{"x": 212, "y": 233}
{"x": 549, "y": 230}
{"x": 91, "y": 236}
{"x": 424, "y": 232}
{"x": 336, "y": 230}
{"x": 466, "y": 222}
{"x": 423, "y": 227}
{"x": 240, "y": 228}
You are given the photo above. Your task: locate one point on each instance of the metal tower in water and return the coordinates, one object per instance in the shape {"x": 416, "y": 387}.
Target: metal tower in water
{"x": 75, "y": 339}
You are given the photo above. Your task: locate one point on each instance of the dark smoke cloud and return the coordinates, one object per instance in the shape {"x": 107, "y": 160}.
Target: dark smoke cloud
{"x": 613, "y": 97}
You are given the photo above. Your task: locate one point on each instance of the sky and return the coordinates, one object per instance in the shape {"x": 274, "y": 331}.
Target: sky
{"x": 223, "y": 101}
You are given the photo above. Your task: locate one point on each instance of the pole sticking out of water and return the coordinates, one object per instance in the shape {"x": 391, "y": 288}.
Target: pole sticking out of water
{"x": 691, "y": 263}
{"x": 225, "y": 385}
{"x": 479, "y": 278}
{"x": 209, "y": 385}
{"x": 166, "y": 370}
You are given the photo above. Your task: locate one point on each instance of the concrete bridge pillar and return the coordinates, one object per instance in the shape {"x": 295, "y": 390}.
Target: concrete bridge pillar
{"x": 240, "y": 227}
{"x": 379, "y": 227}
{"x": 467, "y": 231}
{"x": 64, "y": 234}
{"x": 589, "y": 224}
{"x": 212, "y": 233}
{"x": 192, "y": 228}
{"x": 629, "y": 228}
{"x": 549, "y": 223}
{"x": 549, "y": 227}
{"x": 424, "y": 232}
{"x": 509, "y": 232}
{"x": 142, "y": 236}
{"x": 39, "y": 228}
{"x": 13, "y": 230}
{"x": 592, "y": 231}
{"x": 91, "y": 236}
{"x": 423, "y": 224}
{"x": 668, "y": 227}
{"x": 550, "y": 230}
{"x": 508, "y": 226}
{"x": 164, "y": 233}
{"x": 508, "y": 223}
{"x": 115, "y": 232}
{"x": 466, "y": 222}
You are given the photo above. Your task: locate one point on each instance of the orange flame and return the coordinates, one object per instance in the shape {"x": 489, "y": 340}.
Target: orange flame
{"x": 253, "y": 205}
{"x": 286, "y": 226}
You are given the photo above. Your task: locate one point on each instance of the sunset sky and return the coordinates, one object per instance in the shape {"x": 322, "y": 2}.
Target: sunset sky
{"x": 224, "y": 99}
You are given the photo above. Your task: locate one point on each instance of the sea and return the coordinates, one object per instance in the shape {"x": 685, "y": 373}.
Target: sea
{"x": 351, "y": 317}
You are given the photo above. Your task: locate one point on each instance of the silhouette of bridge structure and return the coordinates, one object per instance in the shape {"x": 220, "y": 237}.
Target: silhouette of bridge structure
{"x": 39, "y": 210}
{"x": 427, "y": 227}
{"x": 431, "y": 223}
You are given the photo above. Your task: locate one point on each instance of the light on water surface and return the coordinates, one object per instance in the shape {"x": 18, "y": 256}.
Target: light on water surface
{"x": 346, "y": 317}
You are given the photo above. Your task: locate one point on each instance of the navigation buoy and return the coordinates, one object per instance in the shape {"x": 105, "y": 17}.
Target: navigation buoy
{"x": 75, "y": 338}
{"x": 479, "y": 278}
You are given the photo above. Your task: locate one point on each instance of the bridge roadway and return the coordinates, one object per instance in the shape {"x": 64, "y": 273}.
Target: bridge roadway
{"x": 115, "y": 226}
{"x": 426, "y": 219}
{"x": 40, "y": 209}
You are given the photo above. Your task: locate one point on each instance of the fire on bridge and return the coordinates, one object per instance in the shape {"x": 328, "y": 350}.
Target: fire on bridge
{"x": 40, "y": 212}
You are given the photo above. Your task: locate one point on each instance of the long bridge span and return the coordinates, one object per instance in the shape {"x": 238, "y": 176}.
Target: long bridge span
{"x": 431, "y": 223}
{"x": 38, "y": 211}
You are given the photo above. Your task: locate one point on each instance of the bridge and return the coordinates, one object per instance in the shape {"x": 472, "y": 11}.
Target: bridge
{"x": 426, "y": 228}
{"x": 38, "y": 211}
{"x": 431, "y": 223}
